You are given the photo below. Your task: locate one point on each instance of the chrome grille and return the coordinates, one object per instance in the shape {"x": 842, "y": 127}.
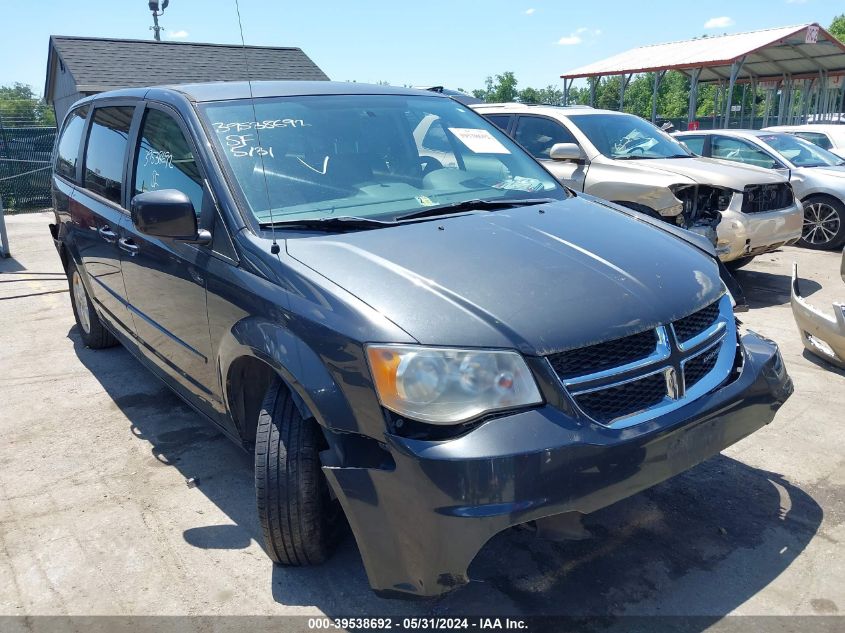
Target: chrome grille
{"x": 592, "y": 358}
{"x": 696, "y": 323}
{"x": 615, "y": 402}
{"x": 630, "y": 380}
{"x": 699, "y": 366}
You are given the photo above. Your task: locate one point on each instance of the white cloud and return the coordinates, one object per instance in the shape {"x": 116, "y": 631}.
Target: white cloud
{"x": 569, "y": 40}
{"x": 178, "y": 34}
{"x": 530, "y": 11}
{"x": 718, "y": 23}
{"x": 577, "y": 36}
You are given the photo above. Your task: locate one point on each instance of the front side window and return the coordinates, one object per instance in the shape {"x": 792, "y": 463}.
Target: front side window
{"x": 538, "y": 135}
{"x": 627, "y": 137}
{"x": 165, "y": 160}
{"x": 68, "y": 149}
{"x": 741, "y": 151}
{"x": 106, "y": 151}
{"x": 799, "y": 152}
{"x": 372, "y": 156}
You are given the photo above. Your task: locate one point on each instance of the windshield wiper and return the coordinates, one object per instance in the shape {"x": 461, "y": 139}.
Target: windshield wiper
{"x": 331, "y": 223}
{"x": 474, "y": 205}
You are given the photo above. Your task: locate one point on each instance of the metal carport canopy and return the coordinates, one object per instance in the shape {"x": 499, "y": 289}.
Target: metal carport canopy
{"x": 801, "y": 51}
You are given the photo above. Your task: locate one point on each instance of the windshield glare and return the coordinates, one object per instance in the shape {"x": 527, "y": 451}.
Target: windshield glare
{"x": 625, "y": 136}
{"x": 370, "y": 156}
{"x": 799, "y": 152}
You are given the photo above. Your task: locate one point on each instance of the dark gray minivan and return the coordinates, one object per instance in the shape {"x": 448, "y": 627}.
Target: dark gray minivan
{"x": 421, "y": 334}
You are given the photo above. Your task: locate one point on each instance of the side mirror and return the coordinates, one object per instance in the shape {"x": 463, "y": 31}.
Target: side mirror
{"x": 167, "y": 213}
{"x": 566, "y": 151}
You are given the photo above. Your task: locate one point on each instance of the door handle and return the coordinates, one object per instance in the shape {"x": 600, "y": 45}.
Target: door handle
{"x": 107, "y": 234}
{"x": 126, "y": 244}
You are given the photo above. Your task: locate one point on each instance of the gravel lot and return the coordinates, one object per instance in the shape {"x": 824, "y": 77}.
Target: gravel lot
{"x": 96, "y": 518}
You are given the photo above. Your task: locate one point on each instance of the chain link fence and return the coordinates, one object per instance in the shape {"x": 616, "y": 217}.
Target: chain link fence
{"x": 25, "y": 167}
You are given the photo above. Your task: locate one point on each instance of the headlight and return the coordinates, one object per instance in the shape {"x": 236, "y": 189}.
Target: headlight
{"x": 448, "y": 386}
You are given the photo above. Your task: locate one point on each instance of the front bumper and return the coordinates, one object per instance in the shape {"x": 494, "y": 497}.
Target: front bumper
{"x": 748, "y": 234}
{"x": 420, "y": 524}
{"x": 822, "y": 335}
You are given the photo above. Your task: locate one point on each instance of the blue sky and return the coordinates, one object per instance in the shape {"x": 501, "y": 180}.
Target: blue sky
{"x": 456, "y": 43}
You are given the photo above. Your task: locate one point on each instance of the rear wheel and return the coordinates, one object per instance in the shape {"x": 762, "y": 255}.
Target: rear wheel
{"x": 94, "y": 333}
{"x": 299, "y": 518}
{"x": 824, "y": 223}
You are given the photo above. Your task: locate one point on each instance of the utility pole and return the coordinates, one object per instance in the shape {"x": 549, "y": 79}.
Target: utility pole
{"x": 154, "y": 7}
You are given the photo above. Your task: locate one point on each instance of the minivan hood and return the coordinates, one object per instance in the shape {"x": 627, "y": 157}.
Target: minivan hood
{"x": 708, "y": 171}
{"x": 577, "y": 273}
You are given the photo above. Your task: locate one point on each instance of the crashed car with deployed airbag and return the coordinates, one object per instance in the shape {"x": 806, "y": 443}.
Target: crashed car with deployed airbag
{"x": 432, "y": 351}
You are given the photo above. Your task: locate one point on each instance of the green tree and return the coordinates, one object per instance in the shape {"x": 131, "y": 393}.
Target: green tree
{"x": 837, "y": 27}
{"x": 549, "y": 95}
{"x": 19, "y": 105}
{"x": 503, "y": 90}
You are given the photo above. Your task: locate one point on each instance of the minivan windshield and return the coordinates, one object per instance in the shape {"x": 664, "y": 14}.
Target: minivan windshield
{"x": 799, "y": 152}
{"x": 627, "y": 137}
{"x": 377, "y": 157}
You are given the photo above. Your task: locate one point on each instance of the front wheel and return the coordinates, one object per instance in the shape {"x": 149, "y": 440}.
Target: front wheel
{"x": 824, "y": 223}
{"x": 299, "y": 518}
{"x": 94, "y": 333}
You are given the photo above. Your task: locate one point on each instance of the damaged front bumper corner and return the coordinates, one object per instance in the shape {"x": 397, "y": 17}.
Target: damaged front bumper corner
{"x": 748, "y": 234}
{"x": 822, "y": 334}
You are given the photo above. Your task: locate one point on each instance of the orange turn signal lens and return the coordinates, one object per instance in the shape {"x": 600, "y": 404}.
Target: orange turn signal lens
{"x": 383, "y": 364}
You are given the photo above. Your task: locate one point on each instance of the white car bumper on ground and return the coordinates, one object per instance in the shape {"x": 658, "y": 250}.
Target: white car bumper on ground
{"x": 821, "y": 334}
{"x": 748, "y": 234}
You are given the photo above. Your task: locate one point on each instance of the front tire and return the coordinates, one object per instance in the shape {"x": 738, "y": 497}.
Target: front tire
{"x": 94, "y": 333}
{"x": 299, "y": 518}
{"x": 824, "y": 223}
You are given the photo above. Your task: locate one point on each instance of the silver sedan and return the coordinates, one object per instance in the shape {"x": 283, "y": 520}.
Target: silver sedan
{"x": 816, "y": 175}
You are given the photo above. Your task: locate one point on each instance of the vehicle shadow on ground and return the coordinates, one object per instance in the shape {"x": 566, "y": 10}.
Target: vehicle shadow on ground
{"x": 820, "y": 362}
{"x": 764, "y": 289}
{"x": 10, "y": 265}
{"x": 700, "y": 544}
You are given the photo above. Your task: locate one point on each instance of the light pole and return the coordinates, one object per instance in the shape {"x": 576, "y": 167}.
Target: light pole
{"x": 154, "y": 7}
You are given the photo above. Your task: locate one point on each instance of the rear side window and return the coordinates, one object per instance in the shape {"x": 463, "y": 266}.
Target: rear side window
{"x": 105, "y": 151}
{"x": 501, "y": 121}
{"x": 816, "y": 138}
{"x": 68, "y": 150}
{"x": 695, "y": 144}
{"x": 165, "y": 160}
{"x": 538, "y": 135}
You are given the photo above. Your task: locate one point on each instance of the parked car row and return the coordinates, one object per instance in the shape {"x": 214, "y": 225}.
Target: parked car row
{"x": 409, "y": 322}
{"x": 826, "y": 135}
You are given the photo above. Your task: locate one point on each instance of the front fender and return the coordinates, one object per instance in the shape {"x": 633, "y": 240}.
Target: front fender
{"x": 295, "y": 362}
